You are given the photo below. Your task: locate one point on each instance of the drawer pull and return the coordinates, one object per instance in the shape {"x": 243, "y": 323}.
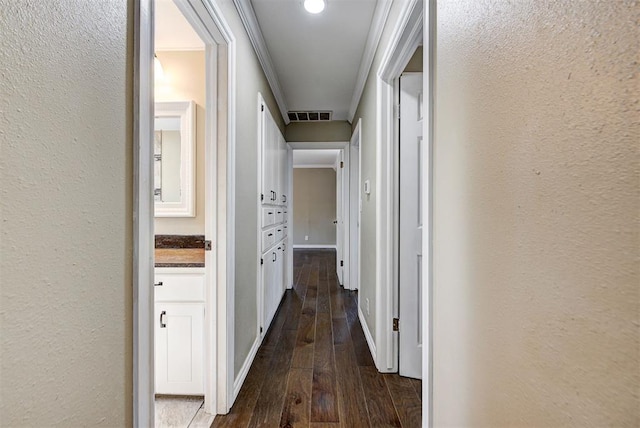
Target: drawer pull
{"x": 158, "y": 284}
{"x": 162, "y": 315}
{"x": 271, "y": 234}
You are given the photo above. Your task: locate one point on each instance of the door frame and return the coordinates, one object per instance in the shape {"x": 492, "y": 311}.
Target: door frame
{"x": 409, "y": 32}
{"x": 355, "y": 192}
{"x": 330, "y": 145}
{"x": 207, "y": 19}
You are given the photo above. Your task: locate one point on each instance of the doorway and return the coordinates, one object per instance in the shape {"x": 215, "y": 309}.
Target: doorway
{"x": 216, "y": 293}
{"x": 322, "y": 217}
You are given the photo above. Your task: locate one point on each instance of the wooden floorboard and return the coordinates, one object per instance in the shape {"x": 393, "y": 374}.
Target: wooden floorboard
{"x": 314, "y": 368}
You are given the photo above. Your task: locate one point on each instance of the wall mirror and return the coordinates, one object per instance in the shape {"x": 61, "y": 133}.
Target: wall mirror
{"x": 174, "y": 159}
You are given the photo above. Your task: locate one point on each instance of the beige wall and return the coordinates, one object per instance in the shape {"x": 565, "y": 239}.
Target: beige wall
{"x": 66, "y": 213}
{"x": 314, "y": 206}
{"x": 318, "y": 131}
{"x": 416, "y": 61}
{"x": 249, "y": 80}
{"x": 184, "y": 80}
{"x": 367, "y": 113}
{"x": 536, "y": 202}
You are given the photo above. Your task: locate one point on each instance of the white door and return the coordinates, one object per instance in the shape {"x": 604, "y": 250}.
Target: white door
{"x": 339, "y": 217}
{"x": 179, "y": 348}
{"x": 354, "y": 211}
{"x": 410, "y": 246}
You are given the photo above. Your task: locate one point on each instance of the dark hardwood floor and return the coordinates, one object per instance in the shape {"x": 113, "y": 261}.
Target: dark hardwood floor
{"x": 314, "y": 368}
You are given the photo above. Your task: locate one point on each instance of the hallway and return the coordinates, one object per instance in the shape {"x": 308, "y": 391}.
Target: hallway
{"x": 314, "y": 368}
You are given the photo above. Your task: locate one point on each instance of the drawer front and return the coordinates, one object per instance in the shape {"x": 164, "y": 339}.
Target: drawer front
{"x": 268, "y": 216}
{"x": 279, "y": 215}
{"x": 279, "y": 233}
{"x": 268, "y": 238}
{"x": 286, "y": 215}
{"x": 285, "y": 230}
{"x": 179, "y": 287}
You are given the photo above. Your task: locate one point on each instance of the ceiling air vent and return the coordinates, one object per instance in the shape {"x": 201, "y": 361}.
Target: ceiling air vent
{"x": 309, "y": 116}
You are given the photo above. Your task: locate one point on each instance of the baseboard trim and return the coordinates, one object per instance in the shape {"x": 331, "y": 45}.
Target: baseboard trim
{"x": 367, "y": 334}
{"x": 244, "y": 371}
{"x": 327, "y": 247}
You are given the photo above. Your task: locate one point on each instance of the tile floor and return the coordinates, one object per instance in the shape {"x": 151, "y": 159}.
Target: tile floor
{"x": 180, "y": 412}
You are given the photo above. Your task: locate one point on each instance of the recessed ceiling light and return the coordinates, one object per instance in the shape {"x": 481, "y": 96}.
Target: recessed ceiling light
{"x": 314, "y": 6}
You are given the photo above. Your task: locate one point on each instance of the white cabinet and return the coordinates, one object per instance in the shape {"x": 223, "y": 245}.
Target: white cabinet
{"x": 179, "y": 331}
{"x": 274, "y": 200}
{"x": 179, "y": 348}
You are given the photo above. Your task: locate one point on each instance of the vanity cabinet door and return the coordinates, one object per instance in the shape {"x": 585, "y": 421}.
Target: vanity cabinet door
{"x": 178, "y": 348}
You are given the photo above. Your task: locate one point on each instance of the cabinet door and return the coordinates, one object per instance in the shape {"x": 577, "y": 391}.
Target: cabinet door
{"x": 179, "y": 348}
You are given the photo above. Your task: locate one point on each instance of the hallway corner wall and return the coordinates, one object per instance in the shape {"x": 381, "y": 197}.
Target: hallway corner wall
{"x": 250, "y": 80}
{"x": 367, "y": 112}
{"x": 536, "y": 202}
{"x": 66, "y": 213}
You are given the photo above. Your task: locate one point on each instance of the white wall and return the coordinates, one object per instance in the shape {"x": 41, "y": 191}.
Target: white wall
{"x": 536, "y": 202}
{"x": 66, "y": 213}
{"x": 185, "y": 80}
{"x": 314, "y": 206}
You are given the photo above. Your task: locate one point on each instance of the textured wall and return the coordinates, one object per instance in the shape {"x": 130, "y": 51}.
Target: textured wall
{"x": 318, "y": 131}
{"x": 314, "y": 206}
{"x": 66, "y": 208}
{"x": 249, "y": 80}
{"x": 536, "y": 203}
{"x": 185, "y": 81}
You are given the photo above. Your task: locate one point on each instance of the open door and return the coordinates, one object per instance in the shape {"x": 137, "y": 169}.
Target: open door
{"x": 355, "y": 206}
{"x": 411, "y": 225}
{"x": 340, "y": 179}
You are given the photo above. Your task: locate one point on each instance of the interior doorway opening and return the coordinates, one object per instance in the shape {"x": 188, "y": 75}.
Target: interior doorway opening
{"x": 321, "y": 205}
{"x": 214, "y": 291}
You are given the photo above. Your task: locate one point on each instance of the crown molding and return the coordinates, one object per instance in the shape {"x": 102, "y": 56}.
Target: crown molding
{"x": 380, "y": 15}
{"x": 250, "y": 21}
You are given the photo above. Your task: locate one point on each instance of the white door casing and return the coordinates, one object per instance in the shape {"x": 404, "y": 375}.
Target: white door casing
{"x": 411, "y": 225}
{"x": 339, "y": 216}
{"x": 355, "y": 206}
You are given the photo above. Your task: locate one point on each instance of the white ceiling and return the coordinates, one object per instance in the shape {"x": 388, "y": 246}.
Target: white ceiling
{"x": 315, "y": 62}
{"x": 172, "y": 31}
{"x": 312, "y": 62}
{"x": 324, "y": 158}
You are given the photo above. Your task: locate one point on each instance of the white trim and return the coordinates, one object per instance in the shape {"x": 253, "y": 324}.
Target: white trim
{"x": 261, "y": 108}
{"x": 316, "y": 145}
{"x": 314, "y": 246}
{"x": 322, "y": 166}
{"x": 354, "y": 215}
{"x": 250, "y": 21}
{"x": 143, "y": 239}
{"x": 178, "y": 49}
{"x": 244, "y": 370}
{"x": 405, "y": 38}
{"x": 373, "y": 39}
{"x": 367, "y": 334}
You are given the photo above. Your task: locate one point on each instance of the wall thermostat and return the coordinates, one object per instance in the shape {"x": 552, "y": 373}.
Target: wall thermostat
{"x": 367, "y": 187}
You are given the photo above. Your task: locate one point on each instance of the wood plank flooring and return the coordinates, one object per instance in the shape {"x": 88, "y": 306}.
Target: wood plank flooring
{"x": 314, "y": 368}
